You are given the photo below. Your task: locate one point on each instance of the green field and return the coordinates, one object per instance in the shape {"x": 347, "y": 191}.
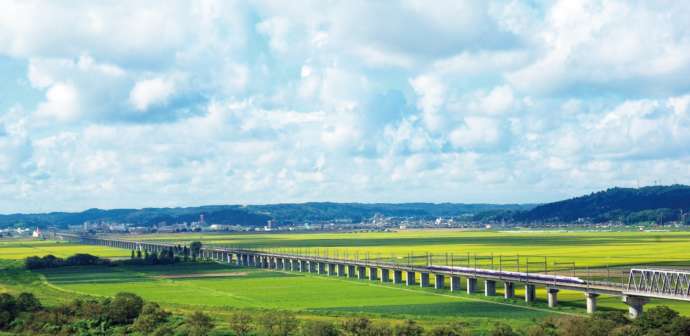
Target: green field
{"x": 15, "y": 249}
{"x": 218, "y": 288}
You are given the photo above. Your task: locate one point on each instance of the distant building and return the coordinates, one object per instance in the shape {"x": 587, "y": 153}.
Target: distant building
{"x": 37, "y": 233}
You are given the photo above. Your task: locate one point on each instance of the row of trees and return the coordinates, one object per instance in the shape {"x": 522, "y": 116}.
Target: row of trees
{"x": 659, "y": 321}
{"x": 50, "y": 261}
{"x": 125, "y": 314}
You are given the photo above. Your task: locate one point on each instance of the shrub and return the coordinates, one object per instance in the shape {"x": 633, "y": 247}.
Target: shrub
{"x": 198, "y": 324}
{"x": 124, "y": 308}
{"x": 277, "y": 323}
{"x": 240, "y": 323}
{"x": 319, "y": 328}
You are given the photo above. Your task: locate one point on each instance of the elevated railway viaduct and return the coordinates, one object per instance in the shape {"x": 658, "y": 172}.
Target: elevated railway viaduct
{"x": 641, "y": 286}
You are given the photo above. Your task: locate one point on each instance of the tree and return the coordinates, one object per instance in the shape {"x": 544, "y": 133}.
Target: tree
{"x": 133, "y": 255}
{"x": 138, "y": 254}
{"x": 151, "y": 317}
{"x": 240, "y": 323}
{"x": 8, "y": 310}
{"x": 195, "y": 248}
{"x": 319, "y": 328}
{"x": 408, "y": 328}
{"x": 356, "y": 326}
{"x": 124, "y": 308}
{"x": 198, "y": 324}
{"x": 27, "y": 302}
{"x": 277, "y": 323}
{"x": 501, "y": 329}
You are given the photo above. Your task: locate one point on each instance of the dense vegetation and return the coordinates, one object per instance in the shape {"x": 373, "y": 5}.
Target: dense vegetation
{"x": 252, "y": 215}
{"x": 128, "y": 314}
{"x": 627, "y": 205}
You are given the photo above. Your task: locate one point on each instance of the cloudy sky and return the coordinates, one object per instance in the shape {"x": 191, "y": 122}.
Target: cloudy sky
{"x": 163, "y": 103}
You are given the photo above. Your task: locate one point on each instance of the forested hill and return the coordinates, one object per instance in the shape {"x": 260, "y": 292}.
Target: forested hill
{"x": 255, "y": 215}
{"x": 627, "y": 205}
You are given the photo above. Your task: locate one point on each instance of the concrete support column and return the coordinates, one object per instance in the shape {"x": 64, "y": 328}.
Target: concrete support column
{"x": 361, "y": 272}
{"x": 635, "y": 305}
{"x": 397, "y": 277}
{"x": 552, "y": 295}
{"x": 530, "y": 293}
{"x": 439, "y": 281}
{"x": 341, "y": 270}
{"x": 410, "y": 280}
{"x": 385, "y": 275}
{"x": 312, "y": 267}
{"x": 303, "y": 266}
{"x": 373, "y": 273}
{"x": 351, "y": 271}
{"x": 591, "y": 302}
{"x": 322, "y": 268}
{"x": 489, "y": 288}
{"x": 454, "y": 283}
{"x": 331, "y": 269}
{"x": 471, "y": 285}
{"x": 424, "y": 279}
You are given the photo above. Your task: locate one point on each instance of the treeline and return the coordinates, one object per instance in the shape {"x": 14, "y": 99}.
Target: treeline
{"x": 657, "y": 204}
{"x": 51, "y": 261}
{"x": 128, "y": 314}
{"x": 659, "y": 321}
{"x": 125, "y": 314}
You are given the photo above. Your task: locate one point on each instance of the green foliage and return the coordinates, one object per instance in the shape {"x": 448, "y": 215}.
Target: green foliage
{"x": 150, "y": 318}
{"x": 318, "y": 328}
{"x": 124, "y": 308}
{"x": 279, "y": 323}
{"x": 198, "y": 324}
{"x": 195, "y": 249}
{"x": 628, "y": 205}
{"x": 51, "y": 261}
{"x": 27, "y": 302}
{"x": 408, "y": 328}
{"x": 501, "y": 329}
{"x": 240, "y": 323}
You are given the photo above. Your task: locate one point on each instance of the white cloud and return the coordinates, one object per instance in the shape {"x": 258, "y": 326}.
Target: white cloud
{"x": 150, "y": 92}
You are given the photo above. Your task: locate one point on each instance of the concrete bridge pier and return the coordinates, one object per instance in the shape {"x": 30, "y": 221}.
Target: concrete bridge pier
{"x": 591, "y": 302}
{"x": 471, "y": 285}
{"x": 530, "y": 293}
{"x": 424, "y": 279}
{"x": 303, "y": 266}
{"x": 552, "y": 295}
{"x": 322, "y": 268}
{"x": 373, "y": 273}
{"x": 439, "y": 281}
{"x": 635, "y": 305}
{"x": 331, "y": 269}
{"x": 351, "y": 271}
{"x": 455, "y": 283}
{"x": 341, "y": 270}
{"x": 410, "y": 279}
{"x": 361, "y": 272}
{"x": 385, "y": 275}
{"x": 489, "y": 288}
{"x": 312, "y": 267}
{"x": 397, "y": 277}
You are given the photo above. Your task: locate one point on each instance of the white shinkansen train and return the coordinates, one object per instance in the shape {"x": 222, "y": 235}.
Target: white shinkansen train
{"x": 522, "y": 275}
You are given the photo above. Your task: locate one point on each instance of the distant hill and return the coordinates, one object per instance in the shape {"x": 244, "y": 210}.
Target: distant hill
{"x": 256, "y": 215}
{"x": 627, "y": 205}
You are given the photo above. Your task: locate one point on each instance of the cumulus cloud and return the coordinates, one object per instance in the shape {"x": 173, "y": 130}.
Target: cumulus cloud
{"x": 237, "y": 102}
{"x": 150, "y": 92}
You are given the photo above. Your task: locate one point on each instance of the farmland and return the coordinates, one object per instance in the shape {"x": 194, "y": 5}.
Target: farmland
{"x": 218, "y": 289}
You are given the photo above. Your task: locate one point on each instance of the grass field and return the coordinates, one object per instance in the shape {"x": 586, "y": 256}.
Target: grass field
{"x": 585, "y": 249}
{"x": 188, "y": 286}
{"x": 16, "y": 249}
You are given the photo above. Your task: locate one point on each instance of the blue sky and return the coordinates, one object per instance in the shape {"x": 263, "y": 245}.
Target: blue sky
{"x": 174, "y": 103}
